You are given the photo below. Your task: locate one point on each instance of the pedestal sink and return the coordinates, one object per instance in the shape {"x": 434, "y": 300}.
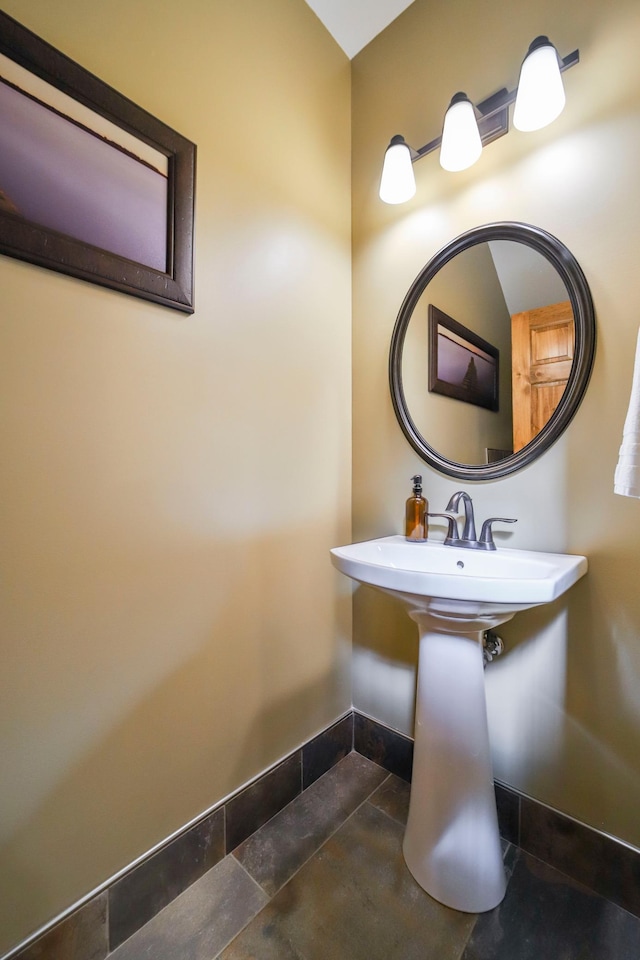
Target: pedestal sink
{"x": 452, "y": 844}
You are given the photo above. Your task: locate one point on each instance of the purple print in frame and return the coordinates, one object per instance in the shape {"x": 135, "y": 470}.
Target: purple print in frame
{"x": 462, "y": 365}
{"x": 90, "y": 184}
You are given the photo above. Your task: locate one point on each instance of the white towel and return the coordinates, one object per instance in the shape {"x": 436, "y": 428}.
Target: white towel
{"x": 627, "y": 475}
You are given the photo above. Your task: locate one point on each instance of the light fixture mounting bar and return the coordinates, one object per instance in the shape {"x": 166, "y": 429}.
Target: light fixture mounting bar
{"x": 494, "y": 113}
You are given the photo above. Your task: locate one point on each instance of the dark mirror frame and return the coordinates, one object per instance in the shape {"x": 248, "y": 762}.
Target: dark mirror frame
{"x": 28, "y": 241}
{"x": 585, "y": 342}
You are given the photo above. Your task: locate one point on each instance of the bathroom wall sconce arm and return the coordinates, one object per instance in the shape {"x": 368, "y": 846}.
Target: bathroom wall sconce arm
{"x": 492, "y": 115}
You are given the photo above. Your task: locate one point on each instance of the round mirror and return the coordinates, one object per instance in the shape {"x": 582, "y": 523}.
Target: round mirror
{"x": 492, "y": 351}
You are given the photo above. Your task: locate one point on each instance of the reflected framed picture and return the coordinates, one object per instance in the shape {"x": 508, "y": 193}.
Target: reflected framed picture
{"x": 462, "y": 365}
{"x": 91, "y": 185}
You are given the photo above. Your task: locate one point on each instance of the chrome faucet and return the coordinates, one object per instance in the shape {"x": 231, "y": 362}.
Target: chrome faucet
{"x": 468, "y": 538}
{"x": 469, "y": 531}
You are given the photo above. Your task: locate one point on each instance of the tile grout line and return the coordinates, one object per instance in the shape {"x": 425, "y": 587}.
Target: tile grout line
{"x": 310, "y": 857}
{"x": 253, "y": 879}
{"x": 250, "y": 919}
{"x": 386, "y": 813}
{"x": 107, "y": 926}
{"x": 328, "y": 837}
{"x": 184, "y": 892}
{"x": 224, "y": 829}
{"x": 466, "y": 943}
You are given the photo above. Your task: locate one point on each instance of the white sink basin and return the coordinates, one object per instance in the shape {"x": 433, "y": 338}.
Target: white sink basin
{"x": 452, "y": 844}
{"x": 513, "y": 577}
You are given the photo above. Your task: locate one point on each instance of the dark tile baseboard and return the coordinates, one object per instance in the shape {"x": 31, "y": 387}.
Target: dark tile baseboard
{"x": 143, "y": 891}
{"x": 103, "y": 922}
{"x": 384, "y": 746}
{"x": 596, "y": 860}
{"x": 80, "y": 936}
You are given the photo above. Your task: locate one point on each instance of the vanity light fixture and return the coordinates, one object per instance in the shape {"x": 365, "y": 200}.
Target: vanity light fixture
{"x": 461, "y": 144}
{"x": 539, "y": 99}
{"x": 540, "y": 91}
{"x": 398, "y": 183}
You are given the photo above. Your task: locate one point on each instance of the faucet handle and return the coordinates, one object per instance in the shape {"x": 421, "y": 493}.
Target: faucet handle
{"x": 486, "y": 534}
{"x": 453, "y": 534}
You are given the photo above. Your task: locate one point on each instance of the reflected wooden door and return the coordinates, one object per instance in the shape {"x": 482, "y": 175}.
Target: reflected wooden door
{"x": 542, "y": 353}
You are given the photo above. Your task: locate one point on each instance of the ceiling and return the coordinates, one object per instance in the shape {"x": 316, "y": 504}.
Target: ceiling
{"x": 353, "y": 23}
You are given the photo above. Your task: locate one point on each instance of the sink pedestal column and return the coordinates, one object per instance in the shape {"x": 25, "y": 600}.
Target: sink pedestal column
{"x": 452, "y": 845}
{"x": 454, "y": 594}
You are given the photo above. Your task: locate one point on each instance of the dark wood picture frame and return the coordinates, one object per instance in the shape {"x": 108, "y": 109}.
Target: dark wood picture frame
{"x": 26, "y": 240}
{"x": 462, "y": 365}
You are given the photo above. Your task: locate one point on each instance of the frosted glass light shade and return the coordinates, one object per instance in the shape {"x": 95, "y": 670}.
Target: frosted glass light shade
{"x": 397, "y": 184}
{"x": 540, "y": 96}
{"x": 461, "y": 143}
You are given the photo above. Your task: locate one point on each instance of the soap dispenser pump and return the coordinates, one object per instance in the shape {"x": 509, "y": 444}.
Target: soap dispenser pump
{"x": 416, "y": 513}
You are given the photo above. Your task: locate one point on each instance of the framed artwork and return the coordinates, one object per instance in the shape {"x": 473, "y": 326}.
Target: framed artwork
{"x": 91, "y": 185}
{"x": 461, "y": 364}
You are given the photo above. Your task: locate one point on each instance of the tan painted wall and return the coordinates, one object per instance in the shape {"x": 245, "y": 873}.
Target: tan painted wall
{"x": 171, "y": 485}
{"x": 564, "y": 701}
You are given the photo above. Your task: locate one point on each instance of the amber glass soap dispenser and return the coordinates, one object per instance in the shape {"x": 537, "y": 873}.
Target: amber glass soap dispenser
{"x": 416, "y": 524}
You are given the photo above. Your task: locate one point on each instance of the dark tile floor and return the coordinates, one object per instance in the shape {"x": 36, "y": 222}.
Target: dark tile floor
{"x": 325, "y": 880}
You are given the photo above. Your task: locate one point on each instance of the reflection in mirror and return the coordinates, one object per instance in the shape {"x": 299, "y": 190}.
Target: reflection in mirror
{"x": 492, "y": 351}
{"x": 510, "y": 296}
